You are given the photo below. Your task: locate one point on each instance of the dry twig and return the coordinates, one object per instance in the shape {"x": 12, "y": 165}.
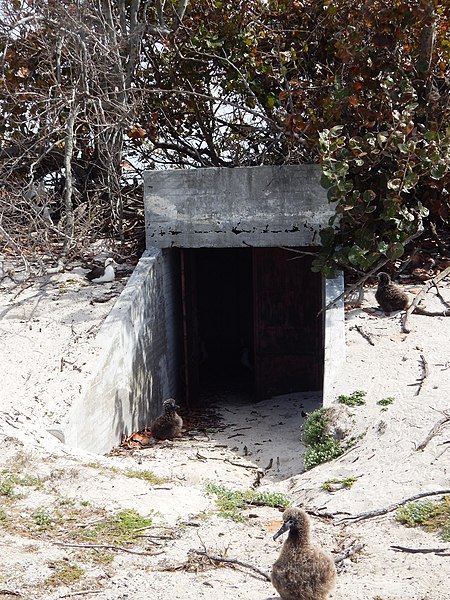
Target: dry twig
{"x": 365, "y": 335}
{"x": 233, "y": 561}
{"x": 420, "y": 295}
{"x": 424, "y": 374}
{"x": 106, "y": 547}
{"x": 433, "y": 431}
{"x": 347, "y": 553}
{"x": 423, "y": 550}
{"x": 83, "y": 593}
{"x": 383, "y": 511}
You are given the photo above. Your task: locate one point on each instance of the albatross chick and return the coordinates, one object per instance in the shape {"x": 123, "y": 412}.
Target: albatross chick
{"x": 390, "y": 296}
{"x": 102, "y": 274}
{"x": 302, "y": 571}
{"x": 169, "y": 424}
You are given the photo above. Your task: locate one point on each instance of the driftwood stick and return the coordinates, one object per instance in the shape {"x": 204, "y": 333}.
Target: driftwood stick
{"x": 347, "y": 553}
{"x": 364, "y": 334}
{"x": 383, "y": 511}
{"x": 440, "y": 296}
{"x": 84, "y": 593}
{"x": 425, "y": 374}
{"x": 422, "y": 550}
{"x": 233, "y": 561}
{"x": 433, "y": 431}
{"x": 420, "y": 295}
{"x": 106, "y": 547}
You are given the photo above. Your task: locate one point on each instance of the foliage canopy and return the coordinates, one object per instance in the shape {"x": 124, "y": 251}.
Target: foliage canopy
{"x": 94, "y": 92}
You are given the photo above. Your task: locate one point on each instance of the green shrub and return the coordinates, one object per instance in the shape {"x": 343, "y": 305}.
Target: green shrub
{"x": 433, "y": 515}
{"x": 321, "y": 446}
{"x": 326, "y": 450}
{"x": 231, "y": 502}
{"x": 385, "y": 402}
{"x": 354, "y": 399}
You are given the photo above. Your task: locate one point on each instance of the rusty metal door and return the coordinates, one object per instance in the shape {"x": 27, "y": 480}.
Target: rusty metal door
{"x": 288, "y": 333}
{"x": 190, "y": 328}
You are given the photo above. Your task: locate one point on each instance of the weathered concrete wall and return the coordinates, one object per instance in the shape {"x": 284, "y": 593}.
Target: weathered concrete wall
{"x": 218, "y": 207}
{"x": 138, "y": 365}
{"x": 334, "y": 342}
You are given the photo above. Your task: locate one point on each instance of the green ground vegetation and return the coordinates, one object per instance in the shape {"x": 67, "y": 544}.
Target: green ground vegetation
{"x": 433, "y": 515}
{"x": 231, "y": 503}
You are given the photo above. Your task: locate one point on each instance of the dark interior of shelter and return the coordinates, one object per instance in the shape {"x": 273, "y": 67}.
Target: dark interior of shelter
{"x": 251, "y": 323}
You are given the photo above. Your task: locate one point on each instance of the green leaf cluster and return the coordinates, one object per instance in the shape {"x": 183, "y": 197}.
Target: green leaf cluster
{"x": 432, "y": 515}
{"x": 320, "y": 446}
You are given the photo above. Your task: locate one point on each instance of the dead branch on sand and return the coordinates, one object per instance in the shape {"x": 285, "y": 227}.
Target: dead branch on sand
{"x": 383, "y": 511}
{"x": 425, "y": 374}
{"x": 414, "y": 304}
{"x": 422, "y": 550}
{"x": 83, "y": 593}
{"x": 233, "y": 561}
{"x": 106, "y": 547}
{"x": 347, "y": 553}
{"x": 433, "y": 431}
{"x": 364, "y": 334}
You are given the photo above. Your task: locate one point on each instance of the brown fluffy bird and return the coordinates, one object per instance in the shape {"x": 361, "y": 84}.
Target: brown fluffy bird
{"x": 169, "y": 424}
{"x": 390, "y": 296}
{"x": 302, "y": 571}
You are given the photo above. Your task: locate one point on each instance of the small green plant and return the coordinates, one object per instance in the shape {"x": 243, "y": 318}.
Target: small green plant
{"x": 3, "y": 515}
{"x": 7, "y": 487}
{"x": 145, "y": 475}
{"x": 433, "y": 515}
{"x": 327, "y": 450}
{"x": 66, "y": 573}
{"x": 42, "y": 518}
{"x": 354, "y": 399}
{"x": 132, "y": 473}
{"x": 385, "y": 402}
{"x": 231, "y": 502}
{"x": 320, "y": 445}
{"x": 347, "y": 483}
{"x": 118, "y": 528}
{"x": 10, "y": 480}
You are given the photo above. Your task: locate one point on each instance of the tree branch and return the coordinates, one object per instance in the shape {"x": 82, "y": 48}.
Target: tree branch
{"x": 383, "y": 511}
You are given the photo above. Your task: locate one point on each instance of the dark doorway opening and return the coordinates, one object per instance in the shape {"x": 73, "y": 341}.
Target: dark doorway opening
{"x": 250, "y": 323}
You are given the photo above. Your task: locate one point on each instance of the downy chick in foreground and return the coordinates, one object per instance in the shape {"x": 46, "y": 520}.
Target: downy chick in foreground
{"x": 390, "y": 296}
{"x": 169, "y": 424}
{"x": 302, "y": 571}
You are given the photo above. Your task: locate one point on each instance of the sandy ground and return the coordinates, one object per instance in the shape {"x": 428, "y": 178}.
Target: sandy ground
{"x": 50, "y": 494}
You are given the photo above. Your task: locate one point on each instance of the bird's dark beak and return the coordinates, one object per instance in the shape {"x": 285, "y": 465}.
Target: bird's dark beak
{"x": 282, "y": 529}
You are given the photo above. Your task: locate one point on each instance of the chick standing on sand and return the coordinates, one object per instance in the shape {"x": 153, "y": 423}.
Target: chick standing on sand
{"x": 169, "y": 424}
{"x": 390, "y": 296}
{"x": 302, "y": 571}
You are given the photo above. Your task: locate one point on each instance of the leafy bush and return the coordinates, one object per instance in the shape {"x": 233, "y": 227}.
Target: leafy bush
{"x": 354, "y": 399}
{"x": 433, "y": 515}
{"x": 321, "y": 446}
{"x": 231, "y": 502}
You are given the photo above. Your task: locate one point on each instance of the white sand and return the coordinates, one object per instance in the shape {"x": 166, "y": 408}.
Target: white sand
{"x": 55, "y": 319}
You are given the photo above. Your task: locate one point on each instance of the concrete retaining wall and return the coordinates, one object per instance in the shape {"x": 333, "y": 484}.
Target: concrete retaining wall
{"x": 263, "y": 206}
{"x": 334, "y": 334}
{"x": 138, "y": 365}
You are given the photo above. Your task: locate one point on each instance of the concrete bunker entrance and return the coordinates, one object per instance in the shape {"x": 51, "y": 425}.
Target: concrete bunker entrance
{"x": 218, "y": 303}
{"x": 252, "y": 323}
